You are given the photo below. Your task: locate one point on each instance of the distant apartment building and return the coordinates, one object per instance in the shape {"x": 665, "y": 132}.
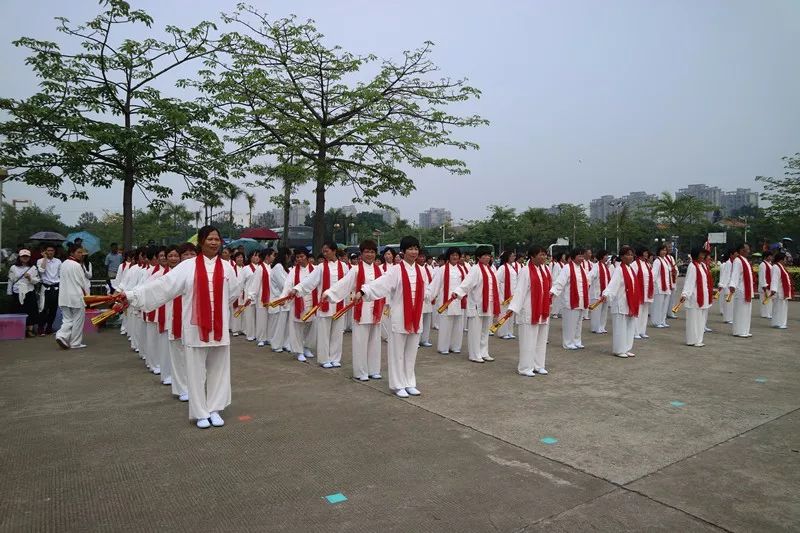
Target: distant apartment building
{"x": 434, "y": 217}
{"x": 726, "y": 202}
{"x": 297, "y": 214}
{"x": 608, "y": 205}
{"x": 349, "y": 210}
{"x": 733, "y": 200}
{"x": 389, "y": 216}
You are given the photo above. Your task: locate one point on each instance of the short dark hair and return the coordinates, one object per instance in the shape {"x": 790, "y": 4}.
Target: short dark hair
{"x": 641, "y": 250}
{"x": 330, "y": 244}
{"x": 300, "y": 251}
{"x": 600, "y": 254}
{"x": 113, "y": 244}
{"x": 368, "y": 244}
{"x": 391, "y": 251}
{"x": 452, "y": 250}
{"x": 71, "y": 247}
{"x": 576, "y": 252}
{"x": 236, "y": 254}
{"x": 409, "y": 241}
{"x": 741, "y": 247}
{"x": 187, "y": 247}
{"x": 204, "y": 232}
{"x": 535, "y": 250}
{"x": 780, "y": 256}
{"x": 624, "y": 249}
{"x": 480, "y": 251}
{"x": 696, "y": 252}
{"x": 768, "y": 253}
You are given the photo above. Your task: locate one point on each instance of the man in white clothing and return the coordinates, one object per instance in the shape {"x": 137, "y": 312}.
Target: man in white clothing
{"x": 483, "y": 304}
{"x": 740, "y": 285}
{"x": 571, "y": 288}
{"x": 49, "y": 267}
{"x": 662, "y": 281}
{"x": 73, "y": 287}
{"x": 531, "y": 307}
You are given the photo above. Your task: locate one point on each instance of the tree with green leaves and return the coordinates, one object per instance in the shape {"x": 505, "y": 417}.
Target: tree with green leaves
{"x": 99, "y": 117}
{"x": 784, "y": 193}
{"x": 280, "y": 85}
{"x": 232, "y": 192}
{"x": 680, "y": 215}
{"x": 251, "y": 204}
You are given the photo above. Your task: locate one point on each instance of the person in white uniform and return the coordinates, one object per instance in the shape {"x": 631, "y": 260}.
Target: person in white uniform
{"x": 73, "y": 287}
{"x": 404, "y": 287}
{"x": 507, "y": 274}
{"x": 782, "y": 291}
{"x": 279, "y": 316}
{"x": 483, "y": 304}
{"x": 301, "y": 334}
{"x": 571, "y": 288}
{"x": 531, "y": 307}
{"x": 49, "y": 267}
{"x": 599, "y": 278}
{"x": 559, "y": 261}
{"x": 646, "y": 290}
{"x": 624, "y": 303}
{"x": 206, "y": 285}
{"x": 257, "y": 292}
{"x": 236, "y": 321}
{"x": 765, "y": 284}
{"x": 366, "y": 315}
{"x": 662, "y": 280}
{"x": 740, "y": 284}
{"x": 248, "y": 316}
{"x": 180, "y": 378}
{"x": 445, "y": 279}
{"x": 427, "y": 306}
{"x": 697, "y": 295}
{"x": 726, "y": 307}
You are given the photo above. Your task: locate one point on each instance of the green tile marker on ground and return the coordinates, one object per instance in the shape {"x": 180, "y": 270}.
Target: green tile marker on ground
{"x": 761, "y": 380}
{"x": 676, "y": 403}
{"x": 336, "y": 498}
{"x": 549, "y": 440}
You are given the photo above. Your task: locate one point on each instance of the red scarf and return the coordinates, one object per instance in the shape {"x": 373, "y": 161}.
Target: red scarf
{"x": 326, "y": 284}
{"x": 786, "y": 282}
{"x": 162, "y": 313}
{"x": 264, "y": 285}
{"x": 640, "y": 281}
{"x": 747, "y": 279}
{"x": 427, "y": 270}
{"x": 702, "y": 292}
{"x": 574, "y": 300}
{"x": 485, "y": 292}
{"x": 412, "y": 311}
{"x": 122, "y": 267}
{"x": 236, "y": 269}
{"x": 663, "y": 276}
{"x": 151, "y": 316}
{"x": 507, "y": 283}
{"x": 377, "y": 307}
{"x": 447, "y": 292}
{"x": 177, "y": 317}
{"x": 631, "y": 291}
{"x": 206, "y": 319}
{"x": 767, "y": 273}
{"x": 299, "y": 303}
{"x": 541, "y": 282}
{"x": 603, "y": 276}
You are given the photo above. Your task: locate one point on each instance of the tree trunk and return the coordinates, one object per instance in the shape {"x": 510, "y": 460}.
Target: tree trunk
{"x": 319, "y": 213}
{"x": 127, "y": 211}
{"x": 287, "y": 199}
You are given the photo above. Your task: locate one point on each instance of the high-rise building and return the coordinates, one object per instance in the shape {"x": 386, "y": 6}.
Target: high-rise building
{"x": 297, "y": 214}
{"x": 733, "y": 200}
{"x": 603, "y": 207}
{"x": 349, "y": 210}
{"x": 390, "y": 216}
{"x": 608, "y": 205}
{"x": 638, "y": 199}
{"x": 725, "y": 201}
{"x": 434, "y": 217}
{"x": 712, "y": 195}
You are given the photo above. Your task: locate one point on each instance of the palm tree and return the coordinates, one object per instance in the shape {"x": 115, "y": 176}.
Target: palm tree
{"x": 680, "y": 213}
{"x": 251, "y": 203}
{"x": 232, "y": 192}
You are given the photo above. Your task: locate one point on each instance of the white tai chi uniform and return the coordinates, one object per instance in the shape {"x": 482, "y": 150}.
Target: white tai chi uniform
{"x": 555, "y": 271}
{"x": 451, "y": 322}
{"x": 623, "y": 320}
{"x": 208, "y": 363}
{"x": 152, "y": 342}
{"x": 177, "y": 354}
{"x": 483, "y": 304}
{"x": 764, "y": 284}
{"x": 248, "y": 316}
{"x": 741, "y": 279}
{"x": 366, "y": 320}
{"x": 662, "y": 280}
{"x": 403, "y": 344}
{"x": 784, "y": 291}
{"x": 74, "y": 286}
{"x": 646, "y": 288}
{"x": 257, "y": 291}
{"x": 533, "y": 331}
{"x": 162, "y": 339}
{"x": 675, "y": 292}
{"x": 134, "y": 276}
{"x": 725, "y": 307}
{"x": 599, "y": 278}
{"x": 507, "y": 276}
{"x": 572, "y": 305}
{"x": 237, "y": 325}
{"x": 427, "y": 309}
{"x": 697, "y": 302}
{"x": 329, "y": 331}
{"x": 434, "y": 315}
{"x": 301, "y": 334}
{"x": 279, "y": 316}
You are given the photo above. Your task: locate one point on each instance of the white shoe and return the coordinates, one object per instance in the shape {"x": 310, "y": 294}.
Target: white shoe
{"x": 203, "y": 423}
{"x": 301, "y": 358}
{"x": 308, "y": 353}
{"x": 456, "y": 351}
{"x": 645, "y": 336}
{"x": 375, "y": 376}
{"x": 708, "y": 330}
{"x": 336, "y": 364}
{"x": 630, "y": 354}
{"x": 184, "y": 397}
{"x": 580, "y": 346}
{"x": 78, "y": 347}
{"x": 570, "y": 347}
{"x": 490, "y": 333}
{"x": 250, "y": 339}
{"x": 488, "y": 358}
{"x": 166, "y": 381}
{"x": 528, "y": 373}
{"x": 235, "y": 334}
{"x": 326, "y": 365}
{"x": 660, "y": 326}
{"x": 216, "y": 420}
{"x": 425, "y": 344}
{"x": 506, "y": 336}
{"x": 261, "y": 344}
{"x": 122, "y": 331}
{"x": 512, "y": 336}
{"x": 479, "y": 360}
{"x": 542, "y": 371}
{"x": 666, "y": 325}
{"x": 445, "y": 353}
{"x": 623, "y": 355}
{"x": 672, "y": 316}
{"x": 401, "y": 393}
{"x": 277, "y": 350}
{"x": 783, "y": 327}
{"x": 637, "y": 337}
{"x": 413, "y": 391}
{"x": 362, "y": 378}
{"x": 698, "y": 345}
{"x": 157, "y": 371}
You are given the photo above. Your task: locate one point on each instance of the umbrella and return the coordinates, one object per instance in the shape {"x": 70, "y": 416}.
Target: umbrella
{"x": 91, "y": 243}
{"x": 261, "y": 234}
{"x": 787, "y": 239}
{"x": 249, "y": 244}
{"x": 192, "y": 239}
{"x": 46, "y": 236}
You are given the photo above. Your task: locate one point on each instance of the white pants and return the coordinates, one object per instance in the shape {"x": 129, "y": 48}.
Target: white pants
{"x": 178, "y": 362}
{"x": 124, "y": 320}
{"x": 741, "y": 315}
{"x": 386, "y": 325}
{"x": 624, "y": 328}
{"x": 135, "y": 325}
{"x": 165, "y": 359}
{"x": 571, "y": 326}
{"x": 658, "y": 309}
{"x": 208, "y": 372}
{"x": 555, "y": 307}
{"x": 674, "y": 298}
{"x": 249, "y": 321}
{"x": 726, "y": 308}
{"x": 402, "y": 357}
{"x": 780, "y": 312}
{"x": 508, "y": 326}
{"x": 451, "y": 334}
{"x": 435, "y": 320}
{"x": 599, "y": 318}
{"x": 280, "y": 333}
{"x": 641, "y": 320}
{"x": 532, "y": 346}
{"x": 152, "y": 356}
{"x": 766, "y": 309}
{"x": 235, "y": 322}
{"x": 366, "y": 349}
{"x": 695, "y": 325}
{"x": 426, "y": 327}
{"x": 478, "y": 336}
{"x": 71, "y": 330}
{"x": 300, "y": 337}
{"x": 262, "y": 317}
{"x": 329, "y": 339}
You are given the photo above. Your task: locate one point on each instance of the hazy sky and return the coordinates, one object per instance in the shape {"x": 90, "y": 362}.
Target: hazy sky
{"x": 585, "y": 98}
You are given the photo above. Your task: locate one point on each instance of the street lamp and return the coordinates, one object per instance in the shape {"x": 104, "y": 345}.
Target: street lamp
{"x": 335, "y": 229}
{"x": 442, "y": 227}
{"x": 350, "y": 232}
{"x": 745, "y": 227}
{"x": 616, "y": 205}
{"x": 3, "y": 178}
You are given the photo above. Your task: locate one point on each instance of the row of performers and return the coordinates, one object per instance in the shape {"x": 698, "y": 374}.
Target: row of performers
{"x": 182, "y": 310}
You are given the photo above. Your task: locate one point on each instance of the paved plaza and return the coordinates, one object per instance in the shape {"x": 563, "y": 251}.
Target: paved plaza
{"x": 677, "y": 439}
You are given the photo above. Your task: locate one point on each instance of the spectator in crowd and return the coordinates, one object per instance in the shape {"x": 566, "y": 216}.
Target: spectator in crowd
{"x": 49, "y": 270}
{"x": 113, "y": 260}
{"x": 22, "y": 279}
